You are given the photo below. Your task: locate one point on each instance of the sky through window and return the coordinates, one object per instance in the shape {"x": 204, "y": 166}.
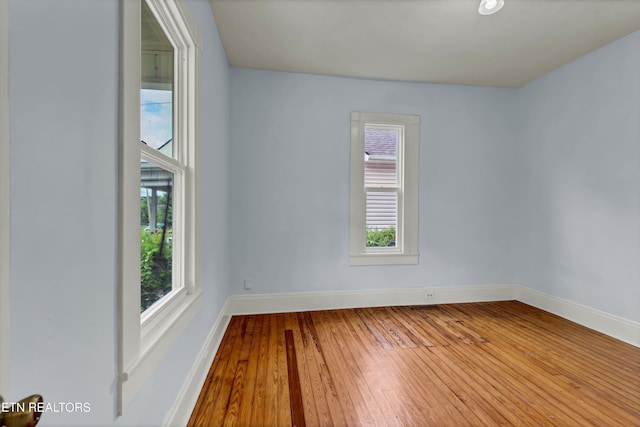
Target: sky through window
{"x": 156, "y": 117}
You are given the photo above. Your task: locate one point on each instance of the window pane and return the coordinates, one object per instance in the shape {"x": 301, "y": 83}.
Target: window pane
{"x": 157, "y": 83}
{"x": 382, "y": 214}
{"x": 156, "y": 226}
{"x": 381, "y": 156}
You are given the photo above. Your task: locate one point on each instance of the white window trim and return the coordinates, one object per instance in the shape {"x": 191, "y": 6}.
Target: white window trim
{"x": 406, "y": 251}
{"x": 145, "y": 340}
{"x": 4, "y": 199}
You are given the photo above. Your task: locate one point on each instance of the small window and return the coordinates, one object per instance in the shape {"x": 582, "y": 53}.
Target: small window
{"x": 384, "y": 189}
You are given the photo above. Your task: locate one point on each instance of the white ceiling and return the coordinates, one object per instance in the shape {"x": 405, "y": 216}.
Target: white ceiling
{"x": 420, "y": 40}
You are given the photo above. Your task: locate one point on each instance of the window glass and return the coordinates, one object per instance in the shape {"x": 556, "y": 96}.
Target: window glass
{"x": 157, "y": 85}
{"x": 382, "y": 218}
{"x": 156, "y": 183}
{"x": 380, "y": 173}
{"x": 156, "y": 229}
{"x": 156, "y": 119}
{"x": 381, "y": 156}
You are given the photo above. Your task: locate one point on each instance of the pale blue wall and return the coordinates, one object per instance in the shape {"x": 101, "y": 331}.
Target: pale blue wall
{"x": 538, "y": 185}
{"x": 290, "y": 182}
{"x": 580, "y": 151}
{"x": 64, "y": 180}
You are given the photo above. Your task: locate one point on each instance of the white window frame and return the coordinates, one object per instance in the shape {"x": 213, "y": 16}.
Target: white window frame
{"x": 4, "y": 199}
{"x": 145, "y": 339}
{"x": 406, "y": 249}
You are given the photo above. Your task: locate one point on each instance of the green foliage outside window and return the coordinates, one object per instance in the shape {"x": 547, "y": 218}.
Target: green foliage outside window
{"x": 381, "y": 237}
{"x": 162, "y": 203}
{"x": 155, "y": 267}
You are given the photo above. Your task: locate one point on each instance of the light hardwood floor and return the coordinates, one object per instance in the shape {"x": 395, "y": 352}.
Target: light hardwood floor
{"x": 477, "y": 364}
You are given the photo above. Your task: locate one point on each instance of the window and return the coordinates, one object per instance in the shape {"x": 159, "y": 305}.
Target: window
{"x": 159, "y": 167}
{"x": 159, "y": 288}
{"x": 384, "y": 189}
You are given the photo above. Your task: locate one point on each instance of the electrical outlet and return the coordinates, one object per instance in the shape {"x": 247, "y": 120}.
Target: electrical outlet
{"x": 248, "y": 284}
{"x": 429, "y": 294}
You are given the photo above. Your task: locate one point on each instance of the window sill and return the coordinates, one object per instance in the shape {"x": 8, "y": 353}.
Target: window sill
{"x": 157, "y": 342}
{"x": 383, "y": 259}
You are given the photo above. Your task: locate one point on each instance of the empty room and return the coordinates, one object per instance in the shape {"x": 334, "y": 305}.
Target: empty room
{"x": 319, "y": 212}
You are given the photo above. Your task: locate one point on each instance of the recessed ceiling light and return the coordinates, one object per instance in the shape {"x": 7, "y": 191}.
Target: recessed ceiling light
{"x": 487, "y": 7}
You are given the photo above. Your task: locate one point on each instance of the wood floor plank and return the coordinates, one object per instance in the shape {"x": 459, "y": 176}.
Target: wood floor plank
{"x": 367, "y": 372}
{"x": 369, "y": 355}
{"x": 214, "y": 397}
{"x": 236, "y": 395}
{"x": 324, "y": 388}
{"x": 370, "y": 409}
{"x": 261, "y": 391}
{"x": 378, "y": 333}
{"x": 316, "y": 403}
{"x": 473, "y": 364}
{"x": 410, "y": 324}
{"x": 419, "y": 395}
{"x": 499, "y": 402}
{"x": 246, "y": 405}
{"x": 522, "y": 385}
{"x": 295, "y": 389}
{"x": 535, "y": 386}
{"x": 392, "y": 379}
{"x": 401, "y": 336}
{"x": 283, "y": 401}
{"x": 576, "y": 356}
{"x": 270, "y": 411}
{"x": 208, "y": 392}
{"x": 237, "y": 389}
{"x": 580, "y": 370}
{"x": 346, "y": 411}
{"x": 441, "y": 337}
{"x": 310, "y": 406}
{"x": 495, "y": 408}
{"x": 546, "y": 375}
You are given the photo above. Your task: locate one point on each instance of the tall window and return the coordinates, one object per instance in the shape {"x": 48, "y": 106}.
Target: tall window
{"x": 159, "y": 166}
{"x": 159, "y": 289}
{"x": 384, "y": 189}
{"x": 383, "y": 196}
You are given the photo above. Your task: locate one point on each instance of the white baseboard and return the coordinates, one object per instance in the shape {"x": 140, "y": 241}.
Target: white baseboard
{"x": 306, "y": 301}
{"x": 617, "y": 327}
{"x": 614, "y": 326}
{"x": 180, "y": 411}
